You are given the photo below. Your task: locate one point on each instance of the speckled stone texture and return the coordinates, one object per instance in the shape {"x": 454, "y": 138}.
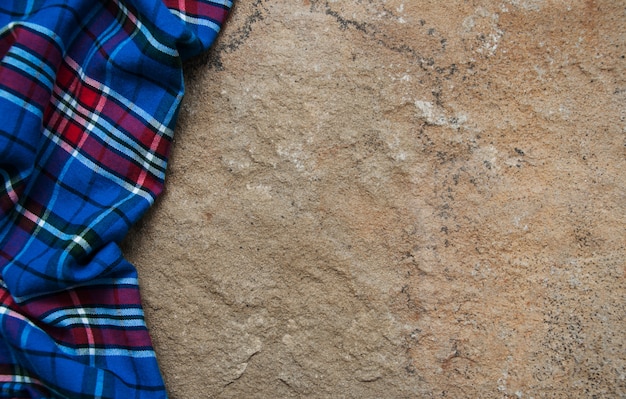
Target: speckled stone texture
{"x": 396, "y": 199}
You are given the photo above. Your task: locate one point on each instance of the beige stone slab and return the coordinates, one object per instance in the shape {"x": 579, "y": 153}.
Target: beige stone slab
{"x": 396, "y": 199}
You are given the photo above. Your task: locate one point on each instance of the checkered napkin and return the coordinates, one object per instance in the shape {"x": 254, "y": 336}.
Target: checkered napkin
{"x": 89, "y": 93}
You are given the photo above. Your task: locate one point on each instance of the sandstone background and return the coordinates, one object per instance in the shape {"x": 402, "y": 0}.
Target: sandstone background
{"x": 396, "y": 199}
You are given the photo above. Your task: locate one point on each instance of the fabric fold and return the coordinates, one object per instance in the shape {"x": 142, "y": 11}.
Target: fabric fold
{"x": 89, "y": 94}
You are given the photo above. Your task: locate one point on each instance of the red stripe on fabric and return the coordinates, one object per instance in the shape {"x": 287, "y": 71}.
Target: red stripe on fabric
{"x": 174, "y": 4}
{"x": 107, "y": 296}
{"x": 129, "y": 19}
{"x": 39, "y": 44}
{"x": 73, "y": 133}
{"x": 199, "y": 9}
{"x": 33, "y": 41}
{"x": 212, "y": 11}
{"x": 106, "y": 158}
{"x": 31, "y": 214}
{"x": 77, "y": 336}
{"x": 7, "y": 41}
{"x": 127, "y": 337}
{"x": 88, "y": 97}
{"x": 119, "y": 165}
{"x": 102, "y": 336}
{"x": 31, "y": 91}
{"x": 8, "y": 200}
{"x": 26, "y": 223}
{"x": 121, "y": 117}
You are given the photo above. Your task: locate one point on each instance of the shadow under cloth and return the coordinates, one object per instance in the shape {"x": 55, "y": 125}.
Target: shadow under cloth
{"x": 89, "y": 95}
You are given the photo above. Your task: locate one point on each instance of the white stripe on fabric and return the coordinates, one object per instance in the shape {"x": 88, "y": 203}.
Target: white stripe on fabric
{"x": 97, "y": 168}
{"x": 49, "y": 34}
{"x": 50, "y": 228}
{"x": 19, "y": 379}
{"x": 147, "y": 34}
{"x": 8, "y": 185}
{"x": 146, "y": 116}
{"x": 84, "y": 322}
{"x": 34, "y": 60}
{"x": 139, "y": 353}
{"x": 225, "y": 3}
{"x": 98, "y": 321}
{"x": 70, "y": 108}
{"x": 107, "y": 281}
{"x": 30, "y": 71}
{"x": 5, "y": 311}
{"x": 29, "y": 66}
{"x": 196, "y": 21}
{"x": 21, "y": 103}
{"x": 92, "y": 311}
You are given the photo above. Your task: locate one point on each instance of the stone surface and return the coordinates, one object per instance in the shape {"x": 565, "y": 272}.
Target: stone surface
{"x": 399, "y": 199}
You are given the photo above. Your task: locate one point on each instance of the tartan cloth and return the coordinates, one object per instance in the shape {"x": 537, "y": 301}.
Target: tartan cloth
{"x": 89, "y": 94}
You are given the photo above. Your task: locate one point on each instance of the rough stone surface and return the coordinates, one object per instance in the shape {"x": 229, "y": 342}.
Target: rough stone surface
{"x": 398, "y": 199}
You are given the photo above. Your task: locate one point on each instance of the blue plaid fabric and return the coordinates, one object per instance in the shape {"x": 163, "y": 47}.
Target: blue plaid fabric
{"x": 89, "y": 93}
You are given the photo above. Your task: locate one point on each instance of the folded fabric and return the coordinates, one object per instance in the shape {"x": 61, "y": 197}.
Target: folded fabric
{"x": 89, "y": 94}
